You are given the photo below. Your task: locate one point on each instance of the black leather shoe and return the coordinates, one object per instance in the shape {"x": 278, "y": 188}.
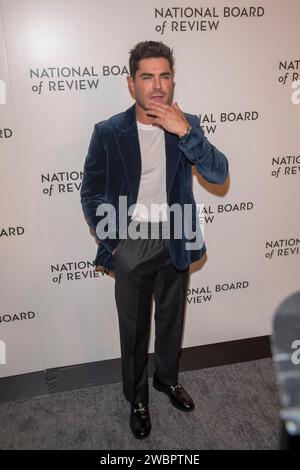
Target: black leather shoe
{"x": 178, "y": 396}
{"x": 140, "y": 423}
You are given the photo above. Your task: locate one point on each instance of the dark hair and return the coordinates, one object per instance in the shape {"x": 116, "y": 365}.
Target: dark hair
{"x": 146, "y": 50}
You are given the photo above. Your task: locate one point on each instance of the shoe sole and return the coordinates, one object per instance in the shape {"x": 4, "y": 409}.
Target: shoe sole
{"x": 181, "y": 408}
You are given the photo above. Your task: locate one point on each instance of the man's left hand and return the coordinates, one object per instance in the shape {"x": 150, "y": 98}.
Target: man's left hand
{"x": 171, "y": 118}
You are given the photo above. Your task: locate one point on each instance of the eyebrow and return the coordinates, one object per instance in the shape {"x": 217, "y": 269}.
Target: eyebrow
{"x": 148, "y": 74}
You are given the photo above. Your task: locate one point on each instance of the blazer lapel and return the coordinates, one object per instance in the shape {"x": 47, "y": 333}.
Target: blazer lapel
{"x": 131, "y": 153}
{"x": 172, "y": 159}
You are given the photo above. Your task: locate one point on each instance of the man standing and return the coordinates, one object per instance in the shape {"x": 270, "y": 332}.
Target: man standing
{"x": 144, "y": 156}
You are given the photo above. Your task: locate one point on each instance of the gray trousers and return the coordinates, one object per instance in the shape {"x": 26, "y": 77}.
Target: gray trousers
{"x": 144, "y": 269}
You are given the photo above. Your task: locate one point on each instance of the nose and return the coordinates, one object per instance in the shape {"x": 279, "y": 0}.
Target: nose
{"x": 157, "y": 83}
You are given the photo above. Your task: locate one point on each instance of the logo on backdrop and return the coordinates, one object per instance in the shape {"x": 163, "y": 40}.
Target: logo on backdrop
{"x": 203, "y": 294}
{"x": 209, "y": 211}
{"x": 16, "y": 317}
{"x": 210, "y": 121}
{"x": 65, "y": 79}
{"x": 283, "y": 247}
{"x": 11, "y": 231}
{"x": 289, "y": 75}
{"x": 289, "y": 165}
{"x": 5, "y": 133}
{"x": 61, "y": 182}
{"x": 289, "y": 71}
{"x": 73, "y": 271}
{"x": 201, "y": 19}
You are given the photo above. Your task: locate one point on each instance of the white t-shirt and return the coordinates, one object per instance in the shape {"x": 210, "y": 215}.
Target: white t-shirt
{"x": 152, "y": 190}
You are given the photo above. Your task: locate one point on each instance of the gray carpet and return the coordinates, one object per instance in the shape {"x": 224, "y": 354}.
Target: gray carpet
{"x": 236, "y": 408}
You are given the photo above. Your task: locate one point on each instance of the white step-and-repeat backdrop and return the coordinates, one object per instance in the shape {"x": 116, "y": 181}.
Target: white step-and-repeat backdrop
{"x": 63, "y": 67}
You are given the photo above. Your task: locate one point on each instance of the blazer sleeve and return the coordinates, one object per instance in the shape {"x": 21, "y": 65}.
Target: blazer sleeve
{"x": 93, "y": 187}
{"x": 208, "y": 160}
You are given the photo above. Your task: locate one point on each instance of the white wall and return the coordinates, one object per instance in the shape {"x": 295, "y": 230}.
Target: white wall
{"x": 232, "y": 65}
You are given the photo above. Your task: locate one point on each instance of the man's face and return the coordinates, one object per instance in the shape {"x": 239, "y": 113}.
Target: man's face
{"x": 153, "y": 83}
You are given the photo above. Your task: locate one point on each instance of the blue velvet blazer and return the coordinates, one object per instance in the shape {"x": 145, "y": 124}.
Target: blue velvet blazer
{"x": 113, "y": 168}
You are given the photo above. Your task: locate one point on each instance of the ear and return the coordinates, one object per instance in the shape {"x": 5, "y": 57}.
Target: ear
{"x": 130, "y": 83}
